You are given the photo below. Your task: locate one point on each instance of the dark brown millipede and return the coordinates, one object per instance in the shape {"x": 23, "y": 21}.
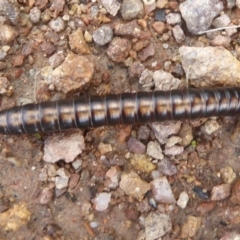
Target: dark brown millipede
{"x": 126, "y": 108}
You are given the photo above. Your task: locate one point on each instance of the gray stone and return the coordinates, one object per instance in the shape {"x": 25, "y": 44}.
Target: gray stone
{"x": 154, "y": 150}
{"x": 166, "y": 167}
{"x": 173, "y": 18}
{"x": 165, "y": 129}
{"x": 103, "y": 35}
{"x": 10, "y": 10}
{"x": 131, "y": 9}
{"x": 136, "y": 146}
{"x": 231, "y": 3}
{"x": 157, "y": 225}
{"x": 178, "y": 34}
{"x": 35, "y": 15}
{"x": 221, "y": 21}
{"x": 199, "y": 14}
{"x": 57, "y": 25}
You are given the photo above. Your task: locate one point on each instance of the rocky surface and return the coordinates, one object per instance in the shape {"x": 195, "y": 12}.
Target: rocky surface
{"x": 176, "y": 179}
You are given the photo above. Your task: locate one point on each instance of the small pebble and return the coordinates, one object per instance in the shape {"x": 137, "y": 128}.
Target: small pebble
{"x": 112, "y": 6}
{"x": 143, "y": 133}
{"x": 118, "y": 49}
{"x": 101, "y": 201}
{"x": 173, "y": 18}
{"x": 183, "y": 200}
{"x": 133, "y": 185}
{"x": 156, "y": 225}
{"x": 160, "y": 15}
{"x": 113, "y": 176}
{"x": 35, "y": 15}
{"x": 178, "y": 34}
{"x": 161, "y": 3}
{"x": 174, "y": 150}
{"x": 142, "y": 163}
{"x": 77, "y": 164}
{"x": 57, "y": 25}
{"x": 210, "y": 127}
{"x": 136, "y": 146}
{"x": 191, "y": 227}
{"x": 61, "y": 183}
{"x": 166, "y": 167}
{"x": 77, "y": 42}
{"x": 220, "y": 192}
{"x": 103, "y": 35}
{"x": 165, "y": 129}
{"x": 220, "y": 40}
{"x": 146, "y": 52}
{"x": 154, "y": 150}
{"x": 162, "y": 191}
{"x": 131, "y": 9}
{"x": 7, "y": 34}
{"x": 159, "y": 27}
{"x": 104, "y": 148}
{"x": 48, "y": 48}
{"x": 62, "y": 172}
{"x": 73, "y": 180}
{"x": 228, "y": 175}
{"x": 165, "y": 81}
{"x": 173, "y": 141}
{"x": 45, "y": 196}
{"x": 221, "y": 21}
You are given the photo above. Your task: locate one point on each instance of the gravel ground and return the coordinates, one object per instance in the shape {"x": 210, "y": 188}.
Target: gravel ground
{"x": 170, "y": 180}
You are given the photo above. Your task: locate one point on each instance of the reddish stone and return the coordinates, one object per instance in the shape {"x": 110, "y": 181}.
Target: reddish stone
{"x": 17, "y": 60}
{"x": 235, "y": 196}
{"x": 159, "y": 27}
{"x": 205, "y": 207}
{"x": 18, "y": 72}
{"x": 48, "y": 48}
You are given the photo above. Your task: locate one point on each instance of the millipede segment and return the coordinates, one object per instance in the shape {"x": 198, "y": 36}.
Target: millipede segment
{"x": 126, "y": 108}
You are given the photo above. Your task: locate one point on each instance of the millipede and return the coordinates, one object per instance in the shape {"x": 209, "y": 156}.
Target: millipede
{"x": 126, "y": 108}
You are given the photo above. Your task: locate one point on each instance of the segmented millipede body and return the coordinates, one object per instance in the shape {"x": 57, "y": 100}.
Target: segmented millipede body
{"x": 126, "y": 108}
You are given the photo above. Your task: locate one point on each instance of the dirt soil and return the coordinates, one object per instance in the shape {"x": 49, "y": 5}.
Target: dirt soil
{"x": 70, "y": 213}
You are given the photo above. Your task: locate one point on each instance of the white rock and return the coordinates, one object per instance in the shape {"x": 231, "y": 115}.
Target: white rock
{"x": 162, "y": 191}
{"x": 62, "y": 172}
{"x": 183, "y": 200}
{"x": 154, "y": 150}
{"x": 77, "y": 164}
{"x": 203, "y": 64}
{"x": 101, "y": 201}
{"x": 157, "y": 225}
{"x": 174, "y": 150}
{"x": 173, "y": 141}
{"x": 62, "y": 146}
{"x": 61, "y": 182}
{"x": 173, "y": 18}
{"x": 165, "y": 81}
{"x": 210, "y": 127}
